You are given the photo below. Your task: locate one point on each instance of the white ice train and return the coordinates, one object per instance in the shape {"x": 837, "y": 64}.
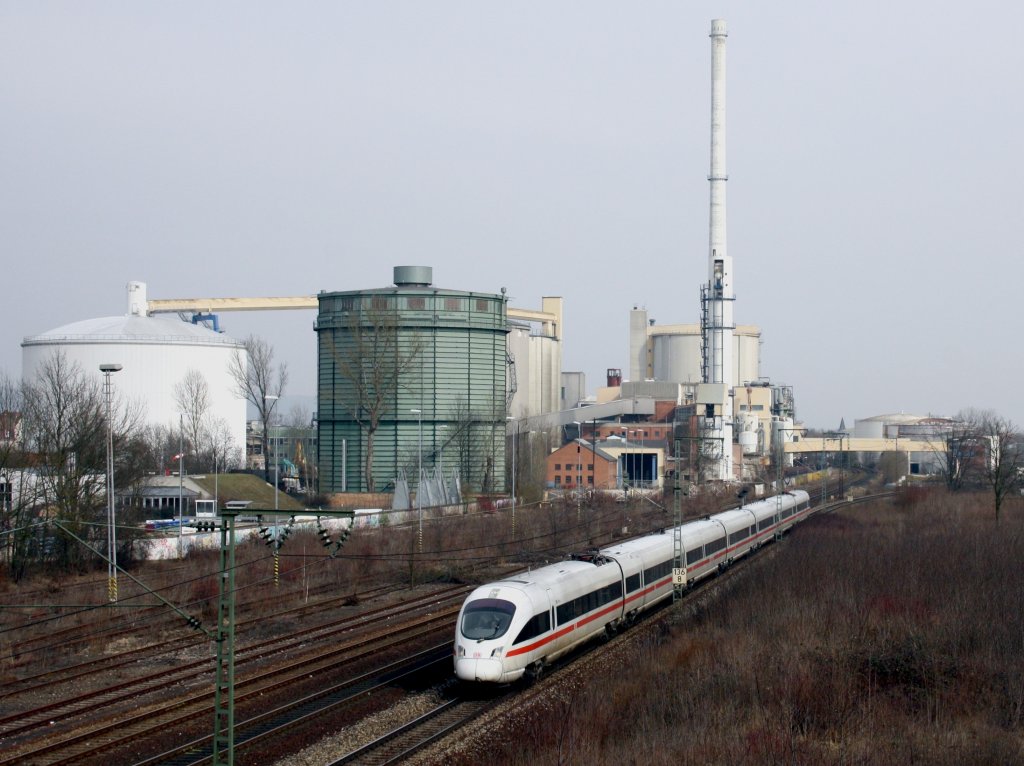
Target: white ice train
{"x": 515, "y": 626}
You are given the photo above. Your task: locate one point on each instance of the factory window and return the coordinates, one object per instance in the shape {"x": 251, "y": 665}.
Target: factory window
{"x": 558, "y": 480}
{"x": 453, "y": 304}
{"x": 482, "y": 304}
{"x": 590, "y": 466}
{"x": 590, "y": 480}
{"x": 416, "y": 303}
{"x": 558, "y": 466}
{"x": 347, "y": 304}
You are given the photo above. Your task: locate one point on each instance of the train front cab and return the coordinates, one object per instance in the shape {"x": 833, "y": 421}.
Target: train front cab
{"x": 489, "y": 627}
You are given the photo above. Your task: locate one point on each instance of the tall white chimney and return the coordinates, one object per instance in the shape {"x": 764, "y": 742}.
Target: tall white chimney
{"x": 720, "y": 297}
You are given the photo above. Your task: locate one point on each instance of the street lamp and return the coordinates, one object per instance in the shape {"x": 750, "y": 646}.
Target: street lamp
{"x": 277, "y": 482}
{"x": 181, "y": 471}
{"x": 509, "y": 417}
{"x": 634, "y": 455}
{"x": 108, "y": 370}
{"x": 579, "y": 471}
{"x": 419, "y": 479}
{"x": 273, "y": 397}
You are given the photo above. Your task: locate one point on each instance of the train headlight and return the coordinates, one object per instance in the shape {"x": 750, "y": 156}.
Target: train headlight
{"x": 497, "y": 652}
{"x": 460, "y": 650}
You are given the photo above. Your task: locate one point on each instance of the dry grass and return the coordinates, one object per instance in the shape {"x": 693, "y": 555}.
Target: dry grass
{"x": 891, "y": 634}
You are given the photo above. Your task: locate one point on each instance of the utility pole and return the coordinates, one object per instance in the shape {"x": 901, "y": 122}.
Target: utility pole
{"x": 224, "y": 635}
{"x": 108, "y": 370}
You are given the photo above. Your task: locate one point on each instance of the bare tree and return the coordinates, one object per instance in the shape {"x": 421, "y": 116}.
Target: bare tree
{"x": 298, "y": 416}
{"x": 261, "y": 384}
{"x": 957, "y": 448}
{"x": 372, "y": 359}
{"x": 224, "y": 452}
{"x": 192, "y": 395}
{"x": 1005, "y": 460}
{"x": 17, "y": 490}
{"x": 65, "y": 426}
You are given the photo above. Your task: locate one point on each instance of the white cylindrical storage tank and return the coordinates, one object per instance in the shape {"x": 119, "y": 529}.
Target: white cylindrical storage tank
{"x": 782, "y": 434}
{"x": 747, "y": 424}
{"x": 155, "y": 353}
{"x": 747, "y": 341}
{"x": 676, "y": 354}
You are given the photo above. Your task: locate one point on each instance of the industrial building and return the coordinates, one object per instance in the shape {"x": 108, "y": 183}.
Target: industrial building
{"x": 155, "y": 354}
{"x": 424, "y": 370}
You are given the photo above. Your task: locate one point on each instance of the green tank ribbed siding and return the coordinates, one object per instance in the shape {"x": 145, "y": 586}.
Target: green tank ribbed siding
{"x": 457, "y": 381}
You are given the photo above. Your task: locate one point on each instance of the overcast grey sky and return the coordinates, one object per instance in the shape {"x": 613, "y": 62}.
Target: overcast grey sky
{"x": 875, "y": 159}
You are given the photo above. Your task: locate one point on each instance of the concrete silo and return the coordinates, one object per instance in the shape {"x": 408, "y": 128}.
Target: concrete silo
{"x": 155, "y": 354}
{"x": 426, "y": 368}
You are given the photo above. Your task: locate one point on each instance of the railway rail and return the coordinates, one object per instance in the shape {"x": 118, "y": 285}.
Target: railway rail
{"x": 388, "y": 628}
{"x": 449, "y": 716}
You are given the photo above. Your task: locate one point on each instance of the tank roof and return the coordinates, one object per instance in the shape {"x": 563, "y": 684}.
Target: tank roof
{"x": 133, "y": 329}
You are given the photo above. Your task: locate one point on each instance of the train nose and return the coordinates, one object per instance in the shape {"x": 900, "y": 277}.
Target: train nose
{"x": 478, "y": 669}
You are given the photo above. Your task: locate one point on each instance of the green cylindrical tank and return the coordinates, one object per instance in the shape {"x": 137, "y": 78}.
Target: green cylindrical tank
{"x": 420, "y": 367}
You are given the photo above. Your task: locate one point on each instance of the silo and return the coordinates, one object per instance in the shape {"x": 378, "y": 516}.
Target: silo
{"x": 676, "y": 353}
{"x": 424, "y": 369}
{"x": 155, "y": 354}
{"x": 747, "y": 425}
{"x": 782, "y": 434}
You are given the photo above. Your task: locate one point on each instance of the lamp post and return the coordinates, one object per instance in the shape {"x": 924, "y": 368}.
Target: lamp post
{"x": 273, "y": 398}
{"x": 625, "y": 473}
{"x": 579, "y": 472}
{"x": 633, "y": 454}
{"x": 419, "y": 478}
{"x": 181, "y": 471}
{"x": 277, "y": 482}
{"x": 510, "y": 418}
{"x": 108, "y": 370}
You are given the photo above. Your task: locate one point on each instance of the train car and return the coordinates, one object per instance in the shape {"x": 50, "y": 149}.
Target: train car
{"x": 646, "y": 564}
{"x": 513, "y": 625}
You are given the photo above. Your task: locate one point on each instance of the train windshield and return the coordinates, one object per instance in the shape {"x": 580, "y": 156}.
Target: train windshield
{"x": 487, "y": 618}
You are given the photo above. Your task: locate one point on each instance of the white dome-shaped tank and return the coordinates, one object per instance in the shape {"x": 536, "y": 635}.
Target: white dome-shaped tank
{"x": 747, "y": 424}
{"x": 155, "y": 354}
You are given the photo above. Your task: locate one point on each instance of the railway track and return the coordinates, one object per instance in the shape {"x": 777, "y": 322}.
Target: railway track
{"x": 449, "y": 716}
{"x": 358, "y": 640}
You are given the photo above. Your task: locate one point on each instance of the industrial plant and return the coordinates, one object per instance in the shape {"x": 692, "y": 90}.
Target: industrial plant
{"x": 427, "y": 390}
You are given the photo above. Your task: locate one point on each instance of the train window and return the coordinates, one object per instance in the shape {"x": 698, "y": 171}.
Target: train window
{"x": 632, "y": 583}
{"x": 652, "y": 574}
{"x": 714, "y": 546}
{"x": 694, "y": 556}
{"x": 588, "y": 602}
{"x": 765, "y": 523}
{"x": 537, "y": 625}
{"x": 735, "y": 537}
{"x": 487, "y": 618}
{"x": 787, "y": 513}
